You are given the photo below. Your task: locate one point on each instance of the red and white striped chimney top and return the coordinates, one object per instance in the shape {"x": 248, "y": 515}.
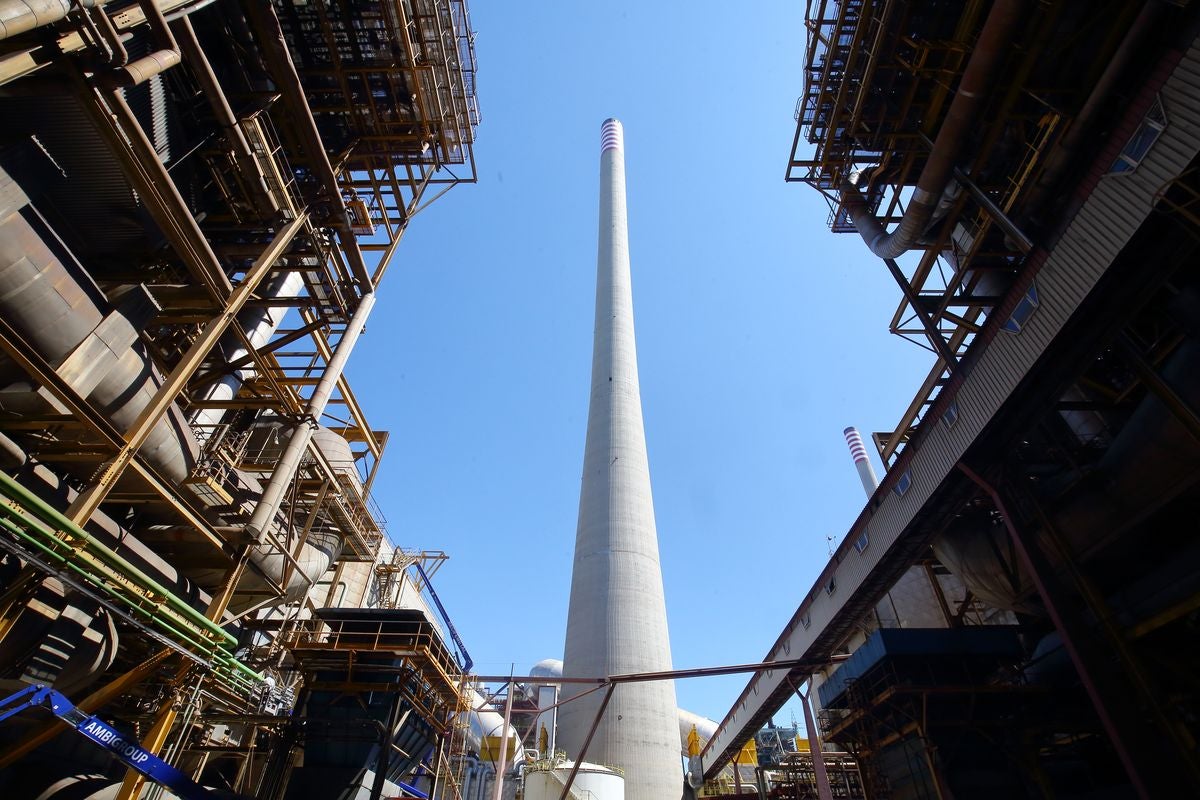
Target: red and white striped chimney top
{"x": 612, "y": 136}
{"x": 855, "y": 443}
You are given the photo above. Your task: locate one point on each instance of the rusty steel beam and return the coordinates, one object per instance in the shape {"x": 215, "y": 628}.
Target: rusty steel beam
{"x": 586, "y": 742}
{"x": 1105, "y": 694}
{"x": 90, "y": 499}
{"x": 156, "y": 737}
{"x": 931, "y": 330}
{"x": 90, "y": 704}
{"x": 667, "y": 675}
{"x": 41, "y": 371}
{"x": 118, "y": 126}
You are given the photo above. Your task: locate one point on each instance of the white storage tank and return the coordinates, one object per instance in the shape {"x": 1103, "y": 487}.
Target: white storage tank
{"x": 592, "y": 782}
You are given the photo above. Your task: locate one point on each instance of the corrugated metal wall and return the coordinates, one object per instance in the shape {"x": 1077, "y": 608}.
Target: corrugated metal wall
{"x": 1113, "y": 211}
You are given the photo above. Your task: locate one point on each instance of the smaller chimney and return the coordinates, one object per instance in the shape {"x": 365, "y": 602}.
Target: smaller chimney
{"x": 858, "y": 450}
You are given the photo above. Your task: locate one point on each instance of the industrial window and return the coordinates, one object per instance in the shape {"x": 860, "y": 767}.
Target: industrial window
{"x": 951, "y": 415}
{"x": 904, "y": 484}
{"x": 1147, "y": 133}
{"x": 831, "y": 586}
{"x": 861, "y": 542}
{"x": 806, "y": 620}
{"x": 1024, "y": 310}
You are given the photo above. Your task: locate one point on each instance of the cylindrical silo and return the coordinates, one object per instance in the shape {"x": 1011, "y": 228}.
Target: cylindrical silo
{"x": 591, "y": 781}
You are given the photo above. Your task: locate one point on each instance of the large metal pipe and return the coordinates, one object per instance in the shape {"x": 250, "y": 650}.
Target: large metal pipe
{"x": 259, "y": 324}
{"x": 289, "y": 461}
{"x": 50, "y": 309}
{"x": 148, "y": 176}
{"x": 1084, "y": 123}
{"x": 55, "y": 313}
{"x": 166, "y": 56}
{"x": 38, "y": 510}
{"x": 19, "y": 16}
{"x": 989, "y": 52}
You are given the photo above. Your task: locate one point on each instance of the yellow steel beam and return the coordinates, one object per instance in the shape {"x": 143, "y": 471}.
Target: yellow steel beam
{"x": 89, "y": 500}
{"x": 156, "y": 737}
{"x": 89, "y": 705}
{"x": 38, "y": 369}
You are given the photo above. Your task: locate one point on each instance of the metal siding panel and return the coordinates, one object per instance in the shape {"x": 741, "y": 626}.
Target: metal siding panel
{"x": 1103, "y": 226}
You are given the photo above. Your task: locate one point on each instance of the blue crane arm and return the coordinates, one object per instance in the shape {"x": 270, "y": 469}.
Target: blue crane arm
{"x": 129, "y": 752}
{"x": 467, "y": 661}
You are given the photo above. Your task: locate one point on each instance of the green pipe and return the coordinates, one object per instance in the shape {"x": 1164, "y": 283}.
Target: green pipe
{"x": 242, "y": 668}
{"x": 205, "y": 645}
{"x": 158, "y": 615}
{"x": 225, "y": 666}
{"x": 51, "y": 516}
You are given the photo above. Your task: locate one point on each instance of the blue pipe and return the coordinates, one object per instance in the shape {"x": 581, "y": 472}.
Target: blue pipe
{"x": 415, "y": 792}
{"x": 458, "y": 642}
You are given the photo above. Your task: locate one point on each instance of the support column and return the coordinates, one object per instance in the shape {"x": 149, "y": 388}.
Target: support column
{"x": 566, "y": 790}
{"x": 1107, "y": 692}
{"x": 1177, "y": 404}
{"x": 501, "y": 762}
{"x": 156, "y": 737}
{"x": 824, "y": 792}
{"x": 385, "y": 747}
{"x": 289, "y": 461}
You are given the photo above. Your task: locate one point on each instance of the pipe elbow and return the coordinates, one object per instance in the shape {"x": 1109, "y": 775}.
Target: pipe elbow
{"x": 143, "y": 69}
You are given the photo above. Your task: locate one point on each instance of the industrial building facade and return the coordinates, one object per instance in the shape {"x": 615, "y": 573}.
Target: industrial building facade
{"x": 1026, "y": 174}
{"x": 198, "y": 201}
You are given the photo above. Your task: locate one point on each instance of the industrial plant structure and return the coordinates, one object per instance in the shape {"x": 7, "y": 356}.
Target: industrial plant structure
{"x": 1026, "y": 174}
{"x": 198, "y": 202}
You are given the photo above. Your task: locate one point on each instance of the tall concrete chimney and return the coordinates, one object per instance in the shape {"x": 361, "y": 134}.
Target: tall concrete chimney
{"x": 858, "y": 451}
{"x": 912, "y": 601}
{"x": 617, "y": 622}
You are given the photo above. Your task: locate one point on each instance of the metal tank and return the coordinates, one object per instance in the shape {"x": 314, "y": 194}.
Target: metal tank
{"x": 592, "y": 782}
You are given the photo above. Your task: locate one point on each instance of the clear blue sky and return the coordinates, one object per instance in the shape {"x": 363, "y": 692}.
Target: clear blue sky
{"x": 761, "y": 335}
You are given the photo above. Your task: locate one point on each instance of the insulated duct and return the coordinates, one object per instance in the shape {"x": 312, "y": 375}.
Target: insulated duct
{"x": 63, "y": 322}
{"x": 987, "y": 56}
{"x": 259, "y": 324}
{"x": 99, "y": 353}
{"x": 289, "y": 459}
{"x": 19, "y": 16}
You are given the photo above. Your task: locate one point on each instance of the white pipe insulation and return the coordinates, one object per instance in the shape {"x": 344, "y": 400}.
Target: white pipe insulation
{"x": 260, "y": 324}
{"x": 19, "y": 16}
{"x": 289, "y": 461}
